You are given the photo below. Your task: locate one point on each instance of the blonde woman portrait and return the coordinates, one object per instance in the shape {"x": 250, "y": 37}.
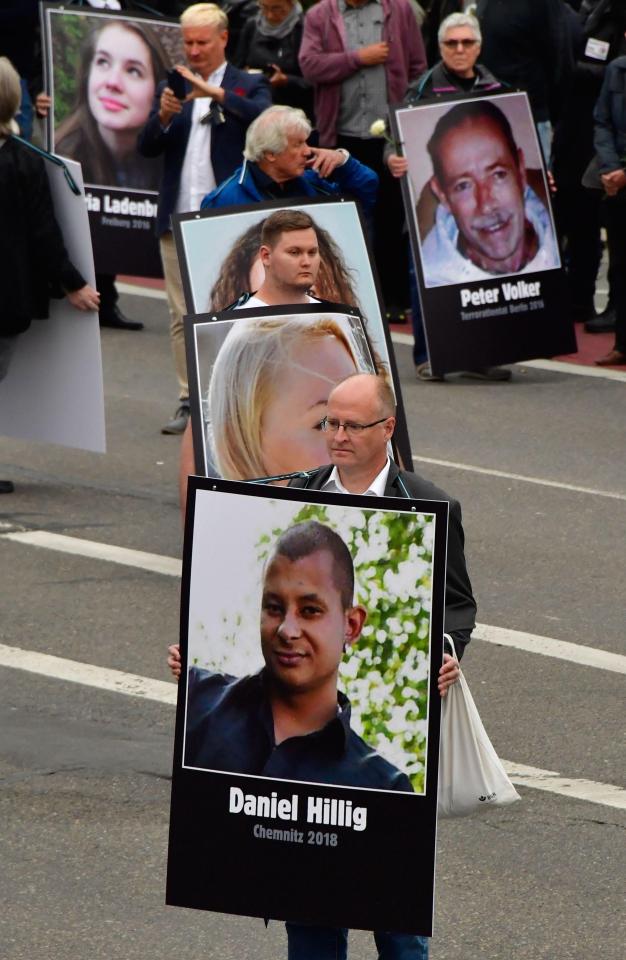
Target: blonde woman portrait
{"x": 268, "y": 389}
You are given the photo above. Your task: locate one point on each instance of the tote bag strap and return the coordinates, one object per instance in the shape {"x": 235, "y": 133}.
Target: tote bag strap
{"x": 447, "y": 637}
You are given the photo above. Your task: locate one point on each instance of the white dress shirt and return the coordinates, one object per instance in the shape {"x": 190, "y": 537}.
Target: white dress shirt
{"x": 197, "y": 177}
{"x": 375, "y": 489}
{"x": 257, "y": 302}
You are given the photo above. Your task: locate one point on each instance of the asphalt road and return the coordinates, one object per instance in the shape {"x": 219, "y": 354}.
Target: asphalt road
{"x": 84, "y": 772}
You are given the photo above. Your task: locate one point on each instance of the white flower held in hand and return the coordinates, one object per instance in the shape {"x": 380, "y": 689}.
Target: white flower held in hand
{"x": 378, "y": 128}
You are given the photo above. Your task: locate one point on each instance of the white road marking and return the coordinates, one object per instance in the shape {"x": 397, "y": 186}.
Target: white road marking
{"x": 578, "y": 369}
{"x": 134, "y": 290}
{"x": 132, "y": 685}
{"x": 548, "y": 647}
{"x": 520, "y": 476}
{"x": 556, "y": 366}
{"x": 171, "y": 567}
{"x": 87, "y": 674}
{"x": 605, "y": 794}
{"x": 153, "y": 562}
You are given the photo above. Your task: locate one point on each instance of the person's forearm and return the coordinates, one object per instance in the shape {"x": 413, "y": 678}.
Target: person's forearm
{"x": 319, "y": 66}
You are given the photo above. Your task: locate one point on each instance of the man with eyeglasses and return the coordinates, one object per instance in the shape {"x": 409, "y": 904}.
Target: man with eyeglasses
{"x": 358, "y": 426}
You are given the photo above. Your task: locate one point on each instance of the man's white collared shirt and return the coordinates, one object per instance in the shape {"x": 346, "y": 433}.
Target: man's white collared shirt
{"x": 197, "y": 177}
{"x": 375, "y": 489}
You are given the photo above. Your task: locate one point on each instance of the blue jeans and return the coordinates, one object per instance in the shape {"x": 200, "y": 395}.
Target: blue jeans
{"x": 329, "y": 943}
{"x": 24, "y": 116}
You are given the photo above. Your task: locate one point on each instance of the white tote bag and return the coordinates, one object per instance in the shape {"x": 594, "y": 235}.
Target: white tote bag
{"x": 471, "y": 775}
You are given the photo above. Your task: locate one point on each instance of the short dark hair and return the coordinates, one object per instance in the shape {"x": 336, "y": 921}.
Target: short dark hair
{"x": 311, "y": 536}
{"x": 464, "y": 113}
{"x": 284, "y": 221}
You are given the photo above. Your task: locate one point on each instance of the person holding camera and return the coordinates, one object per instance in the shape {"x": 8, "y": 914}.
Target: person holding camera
{"x": 198, "y": 125}
{"x": 270, "y": 43}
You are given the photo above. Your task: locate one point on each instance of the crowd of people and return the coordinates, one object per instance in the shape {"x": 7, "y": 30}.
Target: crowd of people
{"x": 279, "y": 102}
{"x": 331, "y": 71}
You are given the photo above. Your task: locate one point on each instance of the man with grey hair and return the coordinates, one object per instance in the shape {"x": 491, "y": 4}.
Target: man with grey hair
{"x": 200, "y": 136}
{"x": 279, "y": 164}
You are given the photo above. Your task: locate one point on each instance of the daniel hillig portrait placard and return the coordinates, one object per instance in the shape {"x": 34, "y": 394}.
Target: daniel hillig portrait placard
{"x": 308, "y": 714}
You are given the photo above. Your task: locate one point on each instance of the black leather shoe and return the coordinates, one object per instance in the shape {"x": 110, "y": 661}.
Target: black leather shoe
{"x": 116, "y": 319}
{"x": 179, "y": 421}
{"x": 603, "y": 323}
{"x": 6, "y": 486}
{"x": 582, "y": 313}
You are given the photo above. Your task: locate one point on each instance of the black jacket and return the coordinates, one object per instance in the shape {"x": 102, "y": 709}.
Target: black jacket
{"x": 610, "y": 118}
{"x": 525, "y": 45}
{"x": 460, "y": 612}
{"x": 573, "y": 145}
{"x": 436, "y": 13}
{"x": 34, "y": 265}
{"x": 258, "y": 52}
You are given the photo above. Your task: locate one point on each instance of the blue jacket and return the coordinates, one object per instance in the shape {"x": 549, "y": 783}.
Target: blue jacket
{"x": 247, "y": 95}
{"x": 352, "y": 179}
{"x": 609, "y": 135}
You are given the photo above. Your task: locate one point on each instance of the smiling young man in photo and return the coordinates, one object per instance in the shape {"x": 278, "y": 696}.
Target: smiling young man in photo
{"x": 289, "y": 720}
{"x": 489, "y": 221}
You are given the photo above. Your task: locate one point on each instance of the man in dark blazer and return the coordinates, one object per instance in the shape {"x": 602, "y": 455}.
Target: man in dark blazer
{"x": 359, "y": 424}
{"x": 201, "y": 138}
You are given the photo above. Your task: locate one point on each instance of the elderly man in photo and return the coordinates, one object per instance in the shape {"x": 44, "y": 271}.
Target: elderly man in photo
{"x": 489, "y": 222}
{"x": 200, "y": 137}
{"x": 279, "y": 164}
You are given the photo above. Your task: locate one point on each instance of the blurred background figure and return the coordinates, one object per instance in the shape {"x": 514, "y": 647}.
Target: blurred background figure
{"x": 19, "y": 22}
{"x": 436, "y": 13}
{"x": 610, "y": 144}
{"x": 525, "y": 46}
{"x": 34, "y": 265}
{"x": 270, "y": 42}
{"x": 596, "y": 36}
{"x": 361, "y": 55}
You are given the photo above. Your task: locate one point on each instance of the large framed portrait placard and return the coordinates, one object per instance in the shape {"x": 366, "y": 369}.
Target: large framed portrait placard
{"x": 218, "y": 252}
{"x": 308, "y": 712}
{"x": 259, "y": 380}
{"x": 102, "y": 71}
{"x": 477, "y": 200}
